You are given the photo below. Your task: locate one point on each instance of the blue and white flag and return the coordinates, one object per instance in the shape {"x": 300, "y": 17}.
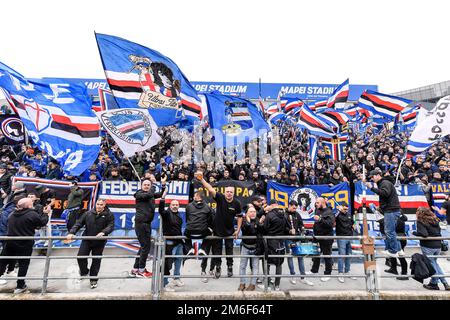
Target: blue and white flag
{"x": 383, "y": 104}
{"x": 140, "y": 77}
{"x": 339, "y": 96}
{"x": 277, "y": 118}
{"x": 58, "y": 118}
{"x": 314, "y": 123}
{"x": 313, "y": 149}
{"x": 233, "y": 120}
{"x": 432, "y": 128}
{"x": 133, "y": 130}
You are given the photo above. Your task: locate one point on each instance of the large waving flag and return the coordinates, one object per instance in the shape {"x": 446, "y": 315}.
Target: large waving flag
{"x": 233, "y": 120}
{"x": 339, "y": 96}
{"x": 277, "y": 118}
{"x": 58, "y": 119}
{"x": 319, "y": 105}
{"x": 334, "y": 117}
{"x": 433, "y": 127}
{"x": 382, "y": 104}
{"x": 309, "y": 120}
{"x": 291, "y": 104}
{"x": 140, "y": 77}
{"x": 407, "y": 119}
{"x": 271, "y": 109}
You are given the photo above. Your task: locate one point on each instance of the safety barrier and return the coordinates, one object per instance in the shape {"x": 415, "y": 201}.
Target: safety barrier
{"x": 159, "y": 258}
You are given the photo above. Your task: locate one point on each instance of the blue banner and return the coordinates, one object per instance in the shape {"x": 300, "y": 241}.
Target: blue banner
{"x": 306, "y": 197}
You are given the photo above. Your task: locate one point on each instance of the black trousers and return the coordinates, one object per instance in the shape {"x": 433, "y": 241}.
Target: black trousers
{"x": 217, "y": 245}
{"x": 207, "y": 246}
{"x": 73, "y": 217}
{"x": 143, "y": 232}
{"x": 86, "y": 248}
{"x": 325, "y": 249}
{"x": 17, "y": 248}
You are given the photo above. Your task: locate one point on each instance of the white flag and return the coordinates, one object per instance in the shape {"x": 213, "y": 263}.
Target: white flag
{"x": 133, "y": 130}
{"x": 432, "y": 127}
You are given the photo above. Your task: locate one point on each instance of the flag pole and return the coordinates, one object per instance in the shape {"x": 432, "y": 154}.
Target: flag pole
{"x": 135, "y": 171}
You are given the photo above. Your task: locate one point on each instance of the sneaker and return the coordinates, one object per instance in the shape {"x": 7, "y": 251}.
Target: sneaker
{"x": 191, "y": 252}
{"x": 260, "y": 280}
{"x": 307, "y": 282}
{"x": 431, "y": 286}
{"x": 401, "y": 253}
{"x": 217, "y": 272}
{"x": 325, "y": 279}
{"x": 341, "y": 279}
{"x": 293, "y": 281}
{"x": 178, "y": 283}
{"x": 3, "y": 281}
{"x": 93, "y": 284}
{"x": 201, "y": 252}
{"x": 21, "y": 290}
{"x": 277, "y": 288}
{"x": 251, "y": 287}
{"x": 169, "y": 289}
{"x": 144, "y": 274}
{"x": 133, "y": 273}
{"x": 230, "y": 272}
{"x": 387, "y": 253}
{"x": 447, "y": 287}
{"x": 241, "y": 287}
{"x": 204, "y": 279}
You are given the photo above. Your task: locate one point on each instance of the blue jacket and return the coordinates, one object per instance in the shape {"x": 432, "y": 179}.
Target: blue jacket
{"x": 7, "y": 210}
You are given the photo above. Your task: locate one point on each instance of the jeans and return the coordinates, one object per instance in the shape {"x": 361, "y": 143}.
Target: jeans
{"x": 300, "y": 260}
{"x": 345, "y": 248}
{"x": 176, "y": 250}
{"x": 434, "y": 252}
{"x": 243, "y": 266}
{"x": 390, "y": 222}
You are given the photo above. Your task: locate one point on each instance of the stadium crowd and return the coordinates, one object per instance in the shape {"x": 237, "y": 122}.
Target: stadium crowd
{"x": 374, "y": 148}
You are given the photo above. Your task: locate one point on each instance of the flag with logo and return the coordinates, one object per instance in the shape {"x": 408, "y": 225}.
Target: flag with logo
{"x": 133, "y": 130}
{"x": 432, "y": 128}
{"x": 58, "y": 118}
{"x": 335, "y": 147}
{"x": 12, "y": 129}
{"x": 233, "y": 120}
{"x": 140, "y": 77}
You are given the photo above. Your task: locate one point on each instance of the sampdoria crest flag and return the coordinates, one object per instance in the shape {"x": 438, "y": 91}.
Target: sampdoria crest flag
{"x": 140, "y": 77}
{"x": 133, "y": 130}
{"x": 233, "y": 120}
{"x": 58, "y": 119}
{"x": 12, "y": 129}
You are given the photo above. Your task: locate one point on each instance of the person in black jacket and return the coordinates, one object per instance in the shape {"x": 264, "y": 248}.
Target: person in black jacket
{"x": 344, "y": 227}
{"x": 323, "y": 226}
{"x": 99, "y": 222}
{"x": 295, "y": 228}
{"x": 172, "y": 224}
{"x": 5, "y": 182}
{"x": 250, "y": 227}
{"x": 428, "y": 226}
{"x": 390, "y": 208}
{"x": 400, "y": 230}
{"x": 145, "y": 212}
{"x": 275, "y": 224}
{"x": 22, "y": 222}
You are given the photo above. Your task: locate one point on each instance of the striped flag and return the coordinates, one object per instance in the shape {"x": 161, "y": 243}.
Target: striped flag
{"x": 312, "y": 122}
{"x": 339, "y": 96}
{"x": 335, "y": 147}
{"x": 334, "y": 117}
{"x": 432, "y": 128}
{"x": 272, "y": 109}
{"x": 312, "y": 149}
{"x": 291, "y": 104}
{"x": 319, "y": 105}
{"x": 382, "y": 104}
{"x": 140, "y": 77}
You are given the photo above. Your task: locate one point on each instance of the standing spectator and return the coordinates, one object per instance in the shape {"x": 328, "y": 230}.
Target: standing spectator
{"x": 74, "y": 204}
{"x": 390, "y": 208}
{"x": 250, "y": 227}
{"x": 98, "y": 222}
{"x": 145, "y": 212}
{"x": 228, "y": 208}
{"x": 428, "y": 226}
{"x": 171, "y": 224}
{"x": 295, "y": 228}
{"x": 5, "y": 183}
{"x": 344, "y": 227}
{"x": 445, "y": 208}
{"x": 324, "y": 221}
{"x": 22, "y": 223}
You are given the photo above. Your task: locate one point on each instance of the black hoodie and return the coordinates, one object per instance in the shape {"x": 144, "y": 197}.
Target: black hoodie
{"x": 198, "y": 216}
{"x": 388, "y": 195}
{"x": 24, "y": 222}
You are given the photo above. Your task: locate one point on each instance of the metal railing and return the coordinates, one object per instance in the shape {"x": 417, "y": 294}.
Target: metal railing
{"x": 159, "y": 258}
